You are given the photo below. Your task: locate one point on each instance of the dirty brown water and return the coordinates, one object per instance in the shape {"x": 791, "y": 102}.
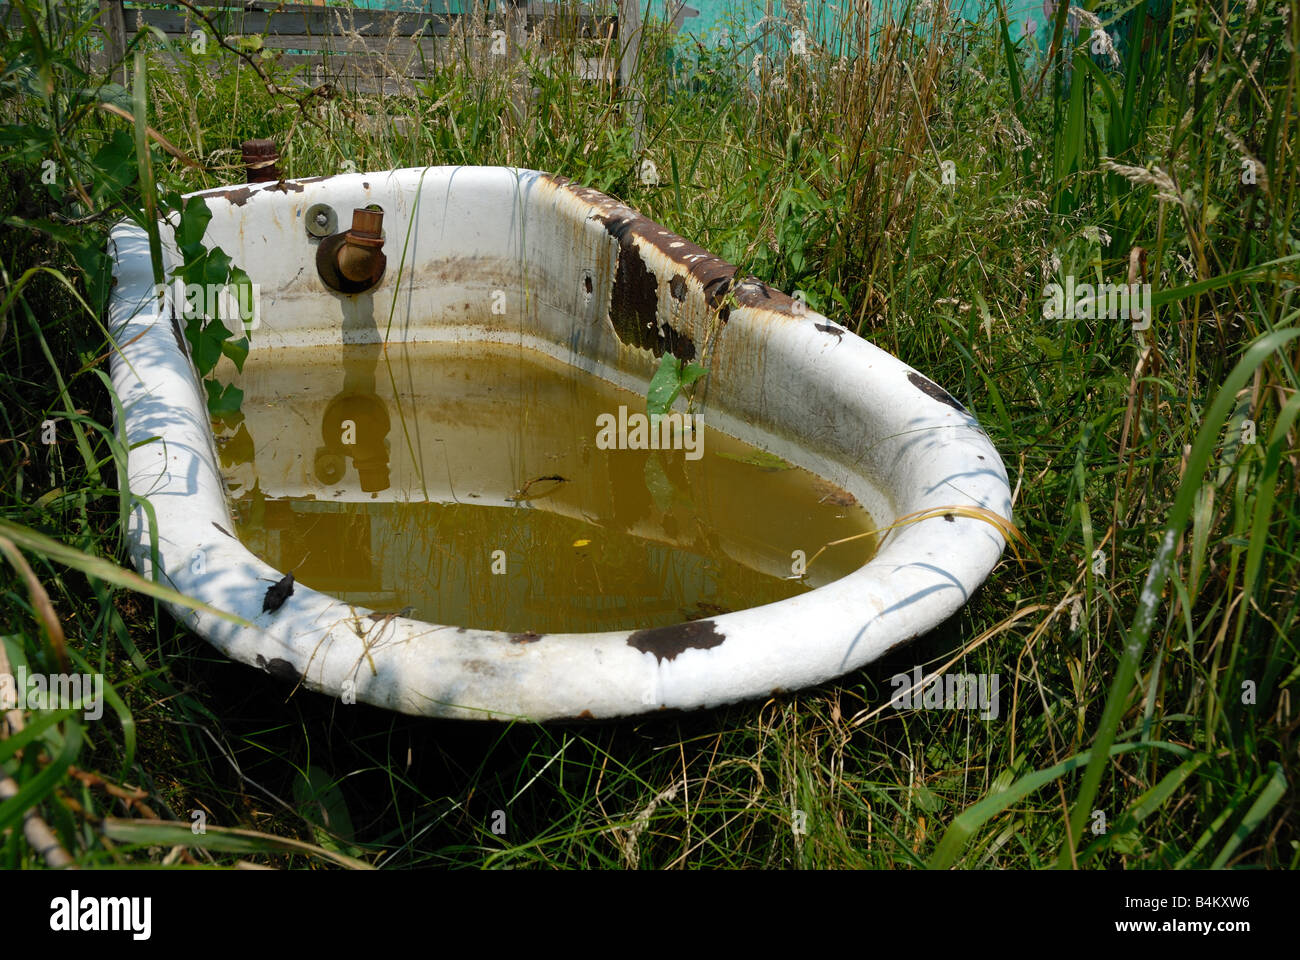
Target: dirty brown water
{"x": 409, "y": 479}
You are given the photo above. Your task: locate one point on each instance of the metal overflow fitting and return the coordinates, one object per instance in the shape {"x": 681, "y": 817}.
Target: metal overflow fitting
{"x": 353, "y": 261}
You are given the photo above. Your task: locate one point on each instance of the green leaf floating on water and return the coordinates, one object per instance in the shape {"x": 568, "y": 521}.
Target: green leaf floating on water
{"x": 668, "y": 382}
{"x": 761, "y": 459}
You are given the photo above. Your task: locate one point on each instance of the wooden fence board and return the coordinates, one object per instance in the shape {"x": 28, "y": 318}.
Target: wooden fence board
{"x": 360, "y": 49}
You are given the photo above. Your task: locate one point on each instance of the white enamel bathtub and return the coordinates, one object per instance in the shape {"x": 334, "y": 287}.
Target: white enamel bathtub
{"x": 595, "y": 285}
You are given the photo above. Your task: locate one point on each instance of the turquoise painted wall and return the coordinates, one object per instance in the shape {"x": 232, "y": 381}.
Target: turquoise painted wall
{"x": 1026, "y": 16}
{"x": 714, "y": 13}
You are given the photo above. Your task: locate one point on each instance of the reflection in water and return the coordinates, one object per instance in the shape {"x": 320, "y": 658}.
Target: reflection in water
{"x": 356, "y": 424}
{"x": 470, "y": 487}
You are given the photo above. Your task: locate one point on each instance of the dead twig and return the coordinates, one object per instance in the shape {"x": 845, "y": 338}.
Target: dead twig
{"x": 273, "y": 88}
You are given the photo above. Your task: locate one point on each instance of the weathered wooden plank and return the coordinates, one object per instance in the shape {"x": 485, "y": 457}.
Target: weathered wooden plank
{"x": 394, "y": 45}
{"x": 324, "y": 21}
{"x": 359, "y": 76}
{"x": 604, "y": 69}
{"x": 427, "y": 6}
{"x": 318, "y": 21}
{"x": 436, "y": 48}
{"x": 629, "y": 76}
{"x": 369, "y": 52}
{"x": 562, "y": 23}
{"x": 533, "y": 8}
{"x": 113, "y": 27}
{"x": 419, "y": 61}
{"x": 369, "y": 65}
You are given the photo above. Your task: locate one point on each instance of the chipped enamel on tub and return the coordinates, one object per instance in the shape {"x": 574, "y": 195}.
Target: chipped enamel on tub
{"x": 607, "y": 291}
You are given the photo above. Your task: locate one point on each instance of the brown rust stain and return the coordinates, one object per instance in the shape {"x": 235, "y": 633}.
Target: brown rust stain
{"x": 285, "y": 186}
{"x": 934, "y": 391}
{"x": 526, "y": 637}
{"x": 634, "y": 301}
{"x": 753, "y": 292}
{"x": 715, "y": 276}
{"x": 236, "y": 195}
{"x": 241, "y": 195}
{"x": 667, "y": 642}
{"x": 715, "y": 293}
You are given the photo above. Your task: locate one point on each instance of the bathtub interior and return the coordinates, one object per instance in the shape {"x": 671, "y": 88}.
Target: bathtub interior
{"x": 513, "y": 257}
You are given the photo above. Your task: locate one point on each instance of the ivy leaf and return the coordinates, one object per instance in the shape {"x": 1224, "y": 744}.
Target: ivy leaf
{"x": 216, "y": 267}
{"x": 192, "y": 270}
{"x": 237, "y": 351}
{"x": 223, "y": 400}
{"x": 170, "y": 199}
{"x": 194, "y": 224}
{"x": 242, "y": 290}
{"x": 116, "y": 166}
{"x": 206, "y": 339}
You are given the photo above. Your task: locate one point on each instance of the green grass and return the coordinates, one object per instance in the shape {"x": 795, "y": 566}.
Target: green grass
{"x": 1146, "y": 646}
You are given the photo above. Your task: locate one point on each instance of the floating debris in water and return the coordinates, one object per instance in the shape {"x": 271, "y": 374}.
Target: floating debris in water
{"x": 832, "y": 494}
{"x": 761, "y": 459}
{"x": 378, "y": 615}
{"x": 526, "y": 492}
